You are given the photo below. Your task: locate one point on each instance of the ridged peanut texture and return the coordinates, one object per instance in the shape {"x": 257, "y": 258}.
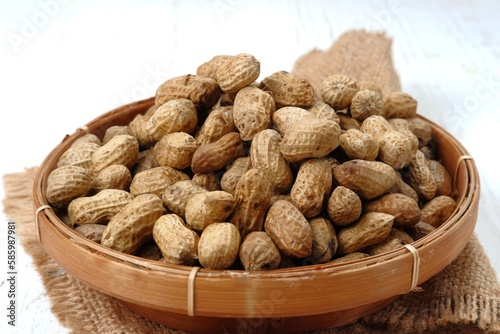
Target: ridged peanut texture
{"x": 219, "y": 245}
{"x": 289, "y": 229}
{"x": 258, "y": 252}
{"x": 133, "y": 225}
{"x": 98, "y": 208}
{"x": 178, "y": 243}
{"x": 67, "y": 183}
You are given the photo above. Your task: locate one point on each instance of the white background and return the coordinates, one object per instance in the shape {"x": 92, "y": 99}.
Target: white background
{"x": 64, "y": 63}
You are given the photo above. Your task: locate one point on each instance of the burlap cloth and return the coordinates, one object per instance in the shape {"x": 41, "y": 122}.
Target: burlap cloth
{"x": 464, "y": 298}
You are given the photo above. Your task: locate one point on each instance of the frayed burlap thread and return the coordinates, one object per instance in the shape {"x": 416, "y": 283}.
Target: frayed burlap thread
{"x": 463, "y": 298}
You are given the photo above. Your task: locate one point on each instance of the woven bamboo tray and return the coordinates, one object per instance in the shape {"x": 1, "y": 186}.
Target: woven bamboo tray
{"x": 278, "y": 301}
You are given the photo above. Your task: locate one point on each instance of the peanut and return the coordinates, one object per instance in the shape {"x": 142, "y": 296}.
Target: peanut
{"x": 366, "y": 103}
{"x": 66, "y": 183}
{"x": 258, "y": 252}
{"x": 138, "y": 128}
{"x": 176, "y": 195}
{"x": 177, "y": 115}
{"x": 238, "y": 71}
{"x": 175, "y": 149}
{"x": 219, "y": 245}
{"x": 289, "y": 229}
{"x": 405, "y": 210}
{"x": 252, "y": 111}
{"x": 112, "y": 177}
{"x": 399, "y": 104}
{"x": 252, "y": 196}
{"x": 208, "y": 207}
{"x": 289, "y": 90}
{"x": 359, "y": 145}
{"x": 217, "y": 155}
{"x": 344, "y": 206}
{"x": 338, "y": 90}
{"x": 322, "y": 110}
{"x": 203, "y": 92}
{"x": 113, "y": 131}
{"x": 419, "y": 177}
{"x": 133, "y": 225}
{"x": 120, "y": 150}
{"x": 233, "y": 173}
{"x": 310, "y": 138}
{"x": 324, "y": 240}
{"x": 219, "y": 122}
{"x": 438, "y": 210}
{"x": 79, "y": 155}
{"x": 98, "y": 208}
{"x": 312, "y": 186}
{"x": 370, "y": 229}
{"x": 265, "y": 155}
{"x": 210, "y": 181}
{"x": 369, "y": 179}
{"x": 178, "y": 244}
{"x": 442, "y": 178}
{"x": 209, "y": 69}
{"x": 396, "y": 239}
{"x": 286, "y": 116}
{"x": 155, "y": 180}
{"x": 92, "y": 232}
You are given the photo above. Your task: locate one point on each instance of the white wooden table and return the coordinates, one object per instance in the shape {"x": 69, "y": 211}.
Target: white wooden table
{"x": 63, "y": 63}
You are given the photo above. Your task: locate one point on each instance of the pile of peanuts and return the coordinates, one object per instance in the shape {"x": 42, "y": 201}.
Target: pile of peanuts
{"x": 227, "y": 172}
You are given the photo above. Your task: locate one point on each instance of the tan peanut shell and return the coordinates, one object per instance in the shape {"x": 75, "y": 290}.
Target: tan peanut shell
{"x": 422, "y": 129}
{"x": 405, "y": 210}
{"x": 209, "y": 68}
{"x": 442, "y": 178}
{"x": 258, "y": 252}
{"x": 98, "y": 208}
{"x": 324, "y": 240}
{"x": 92, "y": 232}
{"x": 419, "y": 230}
{"x": 176, "y": 195}
{"x": 79, "y": 155}
{"x": 203, "y": 92}
{"x": 310, "y": 138}
{"x": 346, "y": 122}
{"x": 177, "y": 115}
{"x": 322, "y": 110}
{"x": 438, "y": 210}
{"x": 138, "y": 128}
{"x": 67, "y": 183}
{"x": 219, "y": 122}
{"x": 234, "y": 172}
{"x": 420, "y": 178}
{"x": 252, "y": 196}
{"x": 376, "y": 125}
{"x": 370, "y": 86}
{"x": 219, "y": 245}
{"x": 252, "y": 111}
{"x": 210, "y": 180}
{"x": 312, "y": 186}
{"x": 120, "y": 150}
{"x": 238, "y": 71}
{"x": 338, "y": 90}
{"x": 113, "y": 131}
{"x": 178, "y": 244}
{"x": 399, "y": 104}
{"x": 370, "y": 229}
{"x": 344, "y": 206}
{"x": 284, "y": 117}
{"x": 369, "y": 179}
{"x": 175, "y": 149}
{"x": 289, "y": 229}
{"x": 206, "y": 208}
{"x": 395, "y": 149}
{"x": 155, "y": 180}
{"x": 402, "y": 187}
{"x": 265, "y": 155}
{"x": 396, "y": 239}
{"x": 112, "y": 177}
{"x": 366, "y": 103}
{"x": 359, "y": 145}
{"x": 133, "y": 225}
{"x": 217, "y": 155}
{"x": 289, "y": 90}
{"x": 87, "y": 138}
